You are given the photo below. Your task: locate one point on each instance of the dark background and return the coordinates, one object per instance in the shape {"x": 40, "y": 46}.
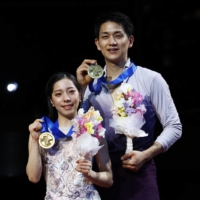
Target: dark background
{"x": 38, "y": 38}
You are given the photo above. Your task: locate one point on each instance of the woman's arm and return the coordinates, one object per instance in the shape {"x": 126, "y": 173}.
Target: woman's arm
{"x": 34, "y": 164}
{"x": 104, "y": 178}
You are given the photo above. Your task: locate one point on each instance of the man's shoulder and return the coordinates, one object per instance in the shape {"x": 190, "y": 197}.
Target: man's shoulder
{"x": 139, "y": 67}
{"x": 146, "y": 72}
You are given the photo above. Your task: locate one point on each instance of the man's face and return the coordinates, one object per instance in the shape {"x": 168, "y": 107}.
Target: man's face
{"x": 113, "y": 42}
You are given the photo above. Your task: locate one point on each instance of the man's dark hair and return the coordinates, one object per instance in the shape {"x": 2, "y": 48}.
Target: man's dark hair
{"x": 117, "y": 17}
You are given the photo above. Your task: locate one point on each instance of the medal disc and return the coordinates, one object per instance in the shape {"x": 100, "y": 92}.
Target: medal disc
{"x": 95, "y": 71}
{"x": 46, "y": 140}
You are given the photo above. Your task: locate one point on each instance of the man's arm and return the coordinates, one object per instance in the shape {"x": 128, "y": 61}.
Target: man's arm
{"x": 168, "y": 116}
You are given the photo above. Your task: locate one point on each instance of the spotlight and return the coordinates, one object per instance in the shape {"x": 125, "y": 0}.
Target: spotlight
{"x": 11, "y": 87}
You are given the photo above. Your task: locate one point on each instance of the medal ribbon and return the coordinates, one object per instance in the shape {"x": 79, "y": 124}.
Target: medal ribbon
{"x": 53, "y": 127}
{"x": 127, "y": 73}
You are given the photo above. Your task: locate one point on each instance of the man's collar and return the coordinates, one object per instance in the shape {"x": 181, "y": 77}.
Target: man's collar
{"x": 127, "y": 65}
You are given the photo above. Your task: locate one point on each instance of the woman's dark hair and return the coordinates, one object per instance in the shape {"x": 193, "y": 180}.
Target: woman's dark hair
{"x": 117, "y": 17}
{"x": 52, "y": 113}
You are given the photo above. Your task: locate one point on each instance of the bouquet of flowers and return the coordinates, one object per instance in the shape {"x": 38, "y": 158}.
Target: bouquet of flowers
{"x": 88, "y": 130}
{"x": 128, "y": 111}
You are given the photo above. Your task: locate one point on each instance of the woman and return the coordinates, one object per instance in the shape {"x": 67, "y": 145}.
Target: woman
{"x": 67, "y": 176}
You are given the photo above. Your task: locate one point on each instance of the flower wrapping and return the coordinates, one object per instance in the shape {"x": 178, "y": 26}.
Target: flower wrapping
{"x": 88, "y": 131}
{"x": 128, "y": 111}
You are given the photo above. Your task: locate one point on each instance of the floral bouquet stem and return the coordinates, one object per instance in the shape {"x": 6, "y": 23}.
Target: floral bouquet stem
{"x": 129, "y": 144}
{"x": 80, "y": 177}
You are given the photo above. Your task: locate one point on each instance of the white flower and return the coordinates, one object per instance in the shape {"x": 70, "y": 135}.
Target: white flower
{"x": 120, "y": 103}
{"x": 102, "y": 132}
{"x": 124, "y": 88}
{"x": 80, "y": 112}
{"x": 97, "y": 113}
{"x": 142, "y": 108}
{"x": 130, "y": 102}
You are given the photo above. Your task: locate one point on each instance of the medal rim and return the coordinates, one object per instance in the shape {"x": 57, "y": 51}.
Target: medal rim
{"x": 95, "y": 77}
{"x": 53, "y": 142}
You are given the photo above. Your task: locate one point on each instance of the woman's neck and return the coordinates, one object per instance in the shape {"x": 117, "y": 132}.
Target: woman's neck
{"x": 64, "y": 122}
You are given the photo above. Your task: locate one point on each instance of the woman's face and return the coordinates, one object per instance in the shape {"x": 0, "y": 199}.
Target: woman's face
{"x": 65, "y": 98}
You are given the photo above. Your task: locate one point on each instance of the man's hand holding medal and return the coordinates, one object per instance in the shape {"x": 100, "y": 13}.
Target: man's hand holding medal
{"x": 87, "y": 71}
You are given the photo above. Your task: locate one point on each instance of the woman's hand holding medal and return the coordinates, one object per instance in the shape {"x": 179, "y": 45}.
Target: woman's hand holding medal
{"x": 46, "y": 140}
{"x": 35, "y": 128}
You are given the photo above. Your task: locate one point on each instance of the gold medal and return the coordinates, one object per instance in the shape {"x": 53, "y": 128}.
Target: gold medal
{"x": 95, "y": 71}
{"x": 46, "y": 140}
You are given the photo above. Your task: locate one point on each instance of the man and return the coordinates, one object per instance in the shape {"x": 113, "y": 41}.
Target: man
{"x": 135, "y": 172}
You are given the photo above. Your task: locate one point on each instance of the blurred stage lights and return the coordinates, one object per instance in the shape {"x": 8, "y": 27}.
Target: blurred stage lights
{"x": 11, "y": 87}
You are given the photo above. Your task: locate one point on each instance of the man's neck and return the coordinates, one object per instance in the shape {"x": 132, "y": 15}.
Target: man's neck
{"x": 113, "y": 70}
